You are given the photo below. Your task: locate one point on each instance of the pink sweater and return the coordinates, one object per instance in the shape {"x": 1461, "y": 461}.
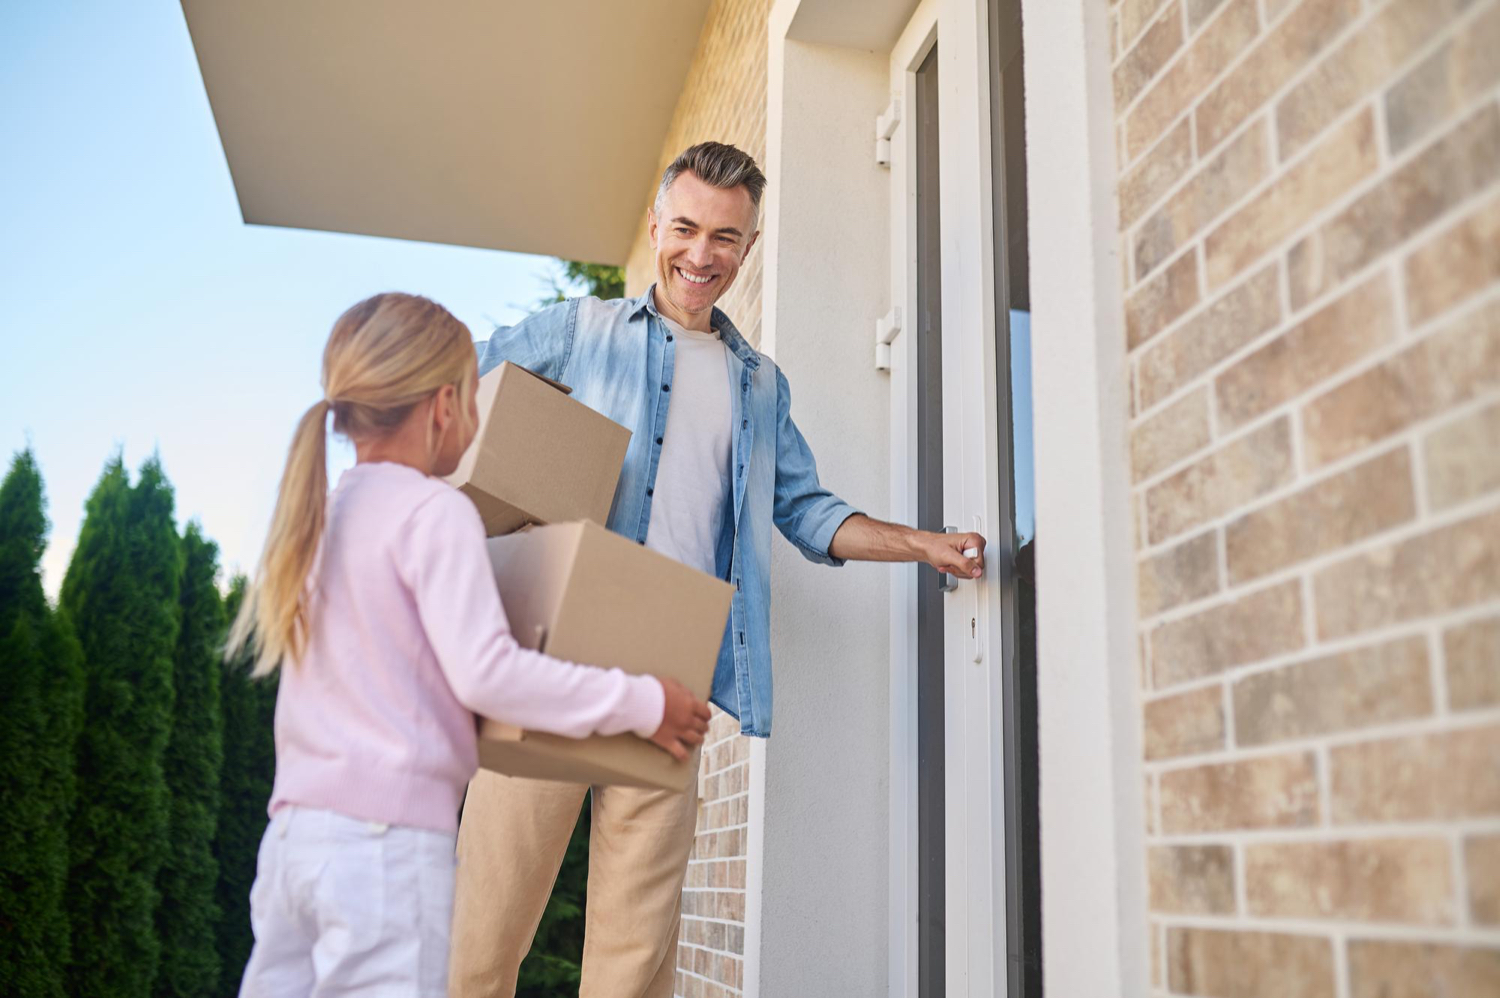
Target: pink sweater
{"x": 408, "y": 643}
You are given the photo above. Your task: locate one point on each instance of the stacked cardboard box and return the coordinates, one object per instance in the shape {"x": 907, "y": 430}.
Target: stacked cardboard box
{"x": 542, "y": 471}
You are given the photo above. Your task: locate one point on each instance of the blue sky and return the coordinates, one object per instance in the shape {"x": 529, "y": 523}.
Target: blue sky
{"x": 140, "y": 313}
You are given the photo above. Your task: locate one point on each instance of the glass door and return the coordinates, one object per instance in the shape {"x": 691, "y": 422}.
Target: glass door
{"x": 1015, "y": 535}
{"x": 931, "y": 740}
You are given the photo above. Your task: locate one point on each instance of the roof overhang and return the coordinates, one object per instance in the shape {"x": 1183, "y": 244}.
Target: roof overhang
{"x": 534, "y": 127}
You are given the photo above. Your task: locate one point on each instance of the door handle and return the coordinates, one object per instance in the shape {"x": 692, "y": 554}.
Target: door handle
{"x": 946, "y": 582}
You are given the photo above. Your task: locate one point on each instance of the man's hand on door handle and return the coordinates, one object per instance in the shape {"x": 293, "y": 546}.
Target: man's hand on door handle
{"x": 861, "y": 538}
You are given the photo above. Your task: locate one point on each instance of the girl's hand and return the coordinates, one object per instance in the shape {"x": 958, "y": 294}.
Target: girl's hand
{"x": 684, "y": 720}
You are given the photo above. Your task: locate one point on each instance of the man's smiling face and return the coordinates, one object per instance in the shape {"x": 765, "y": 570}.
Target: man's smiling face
{"x": 700, "y": 235}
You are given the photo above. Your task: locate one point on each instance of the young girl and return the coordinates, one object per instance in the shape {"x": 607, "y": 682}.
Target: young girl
{"x": 380, "y": 601}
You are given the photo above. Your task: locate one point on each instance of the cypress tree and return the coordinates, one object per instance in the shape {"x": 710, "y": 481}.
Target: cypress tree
{"x": 41, "y": 687}
{"x": 121, "y": 591}
{"x": 188, "y": 878}
{"x": 248, "y": 708}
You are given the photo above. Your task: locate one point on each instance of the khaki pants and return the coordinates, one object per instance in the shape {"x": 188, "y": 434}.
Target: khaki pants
{"x": 510, "y": 847}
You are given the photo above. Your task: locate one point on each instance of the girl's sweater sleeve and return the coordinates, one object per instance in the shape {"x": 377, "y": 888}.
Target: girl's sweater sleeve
{"x": 442, "y": 558}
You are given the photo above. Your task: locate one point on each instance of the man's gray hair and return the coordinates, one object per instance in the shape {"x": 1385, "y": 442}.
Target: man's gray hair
{"x": 718, "y": 165}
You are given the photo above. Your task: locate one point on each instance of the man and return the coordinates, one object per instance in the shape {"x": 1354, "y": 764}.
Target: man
{"x": 714, "y": 462}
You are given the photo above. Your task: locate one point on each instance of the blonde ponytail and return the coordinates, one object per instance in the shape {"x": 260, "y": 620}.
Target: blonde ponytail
{"x": 385, "y": 355}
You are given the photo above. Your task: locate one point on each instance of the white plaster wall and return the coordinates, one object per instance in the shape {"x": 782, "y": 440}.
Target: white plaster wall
{"x": 819, "y": 825}
{"x": 1093, "y": 879}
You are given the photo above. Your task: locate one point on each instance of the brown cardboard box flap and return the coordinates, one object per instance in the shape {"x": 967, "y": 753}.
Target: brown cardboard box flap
{"x": 543, "y": 378}
{"x": 538, "y": 456}
{"x": 584, "y": 594}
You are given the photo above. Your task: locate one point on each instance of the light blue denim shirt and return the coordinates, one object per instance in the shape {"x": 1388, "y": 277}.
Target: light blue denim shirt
{"x": 617, "y": 356}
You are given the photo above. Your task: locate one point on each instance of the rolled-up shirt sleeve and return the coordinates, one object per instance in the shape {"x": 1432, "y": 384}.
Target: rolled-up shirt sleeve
{"x": 805, "y": 512}
{"x": 443, "y": 560}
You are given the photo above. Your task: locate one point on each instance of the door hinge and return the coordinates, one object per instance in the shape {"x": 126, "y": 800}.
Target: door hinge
{"x": 885, "y": 127}
{"x": 886, "y": 329}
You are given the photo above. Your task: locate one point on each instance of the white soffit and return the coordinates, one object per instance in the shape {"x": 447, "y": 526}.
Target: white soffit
{"x": 868, "y": 25}
{"x": 534, "y": 127}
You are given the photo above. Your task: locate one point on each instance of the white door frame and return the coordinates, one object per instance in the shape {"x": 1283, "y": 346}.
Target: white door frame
{"x": 974, "y": 775}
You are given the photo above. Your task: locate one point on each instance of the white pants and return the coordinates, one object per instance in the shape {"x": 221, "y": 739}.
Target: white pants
{"x": 348, "y": 907}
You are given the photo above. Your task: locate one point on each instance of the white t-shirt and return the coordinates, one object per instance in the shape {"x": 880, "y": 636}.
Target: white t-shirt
{"x": 692, "y": 478}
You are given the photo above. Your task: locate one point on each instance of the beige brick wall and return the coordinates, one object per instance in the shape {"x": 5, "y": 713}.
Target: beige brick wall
{"x": 723, "y": 98}
{"x": 1310, "y": 229}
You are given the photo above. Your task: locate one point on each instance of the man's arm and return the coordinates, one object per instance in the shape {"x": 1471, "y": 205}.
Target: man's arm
{"x": 827, "y": 529}
{"x": 862, "y": 538}
{"x": 541, "y": 342}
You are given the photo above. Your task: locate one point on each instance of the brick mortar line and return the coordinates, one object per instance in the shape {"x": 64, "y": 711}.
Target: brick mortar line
{"x": 724, "y": 769}
{"x": 1340, "y": 964}
{"x": 1437, "y": 662}
{"x": 1299, "y": 449}
{"x": 1312, "y": 566}
{"x": 1467, "y": 721}
{"x": 714, "y": 919}
{"x": 708, "y": 980}
{"x": 1292, "y": 405}
{"x": 1307, "y": 570}
{"x": 1323, "y": 215}
{"x": 1406, "y": 335}
{"x": 1309, "y": 609}
{"x": 1398, "y": 284}
{"x": 1128, "y": 46}
{"x": 1198, "y": 169}
{"x": 1292, "y": 408}
{"x": 1396, "y": 441}
{"x": 1464, "y": 828}
{"x": 1291, "y": 318}
{"x": 1226, "y": 704}
{"x": 710, "y": 951}
{"x": 1360, "y": 21}
{"x": 704, "y": 777}
{"x": 1459, "y": 870}
{"x": 1156, "y": 800}
{"x": 726, "y": 828}
{"x": 1264, "y": 28}
{"x": 1352, "y": 929}
{"x": 1166, "y": 954}
{"x": 1123, "y": 114}
{"x": 1241, "y": 882}
{"x": 1324, "y": 775}
{"x": 1366, "y": 639}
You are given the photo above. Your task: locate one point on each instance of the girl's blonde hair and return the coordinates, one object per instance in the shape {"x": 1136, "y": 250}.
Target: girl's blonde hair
{"x": 385, "y": 356}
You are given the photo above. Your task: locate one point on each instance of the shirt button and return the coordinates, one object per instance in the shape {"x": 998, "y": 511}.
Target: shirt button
{"x": 666, "y": 388}
{"x": 669, "y": 337}
{"x": 744, "y": 424}
{"x": 650, "y": 492}
{"x": 658, "y": 440}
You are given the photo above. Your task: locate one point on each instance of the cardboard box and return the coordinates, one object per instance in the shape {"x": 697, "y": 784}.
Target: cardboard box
{"x": 582, "y": 593}
{"x": 538, "y": 456}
